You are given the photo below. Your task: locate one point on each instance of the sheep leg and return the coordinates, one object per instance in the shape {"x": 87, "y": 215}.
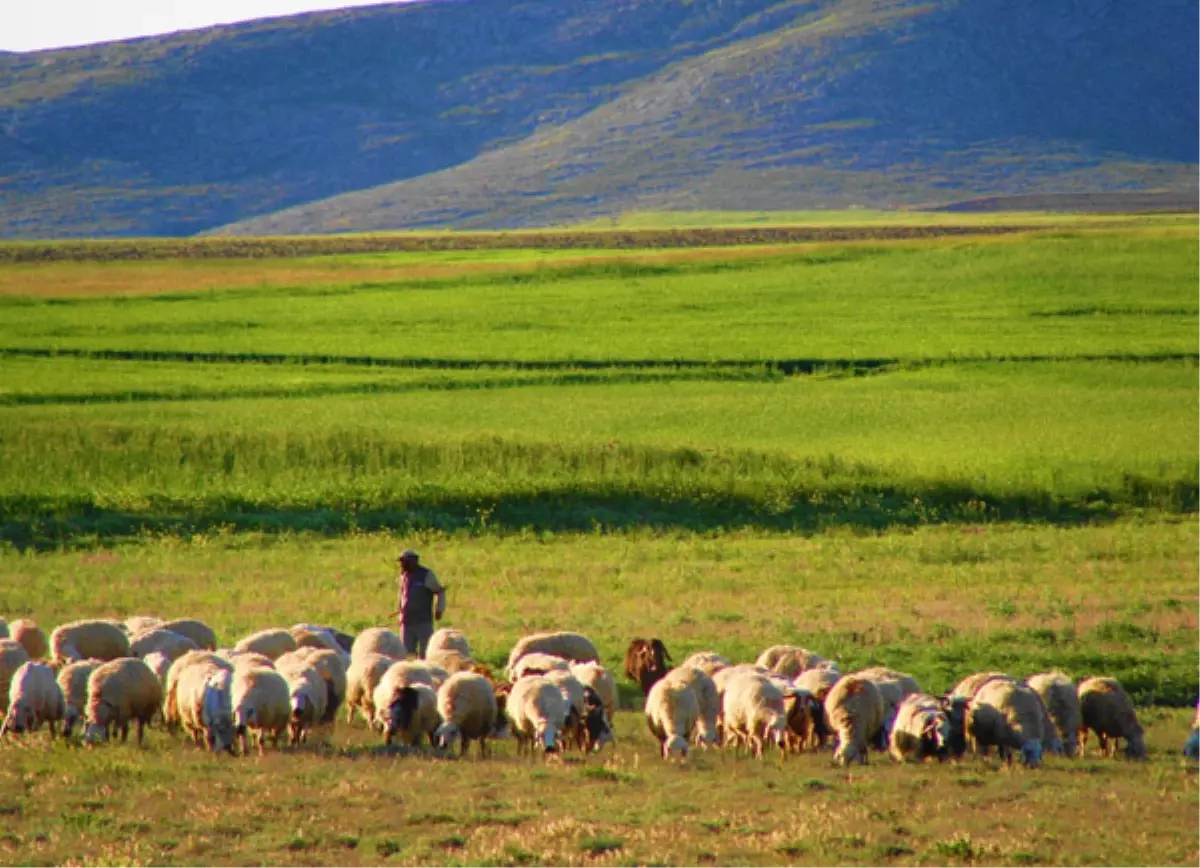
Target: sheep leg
{"x": 141, "y": 731}
{"x": 125, "y": 732}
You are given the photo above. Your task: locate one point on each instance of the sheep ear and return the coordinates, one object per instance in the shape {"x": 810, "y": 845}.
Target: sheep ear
{"x": 662, "y": 649}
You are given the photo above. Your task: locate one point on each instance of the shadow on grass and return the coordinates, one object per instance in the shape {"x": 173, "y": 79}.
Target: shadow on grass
{"x": 31, "y": 523}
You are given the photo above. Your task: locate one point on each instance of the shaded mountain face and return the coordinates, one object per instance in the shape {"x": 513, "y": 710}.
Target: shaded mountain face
{"x": 495, "y": 113}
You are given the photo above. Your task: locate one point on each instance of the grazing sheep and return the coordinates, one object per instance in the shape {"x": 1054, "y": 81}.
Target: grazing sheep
{"x": 160, "y": 665}
{"x": 170, "y": 705}
{"x": 893, "y": 687}
{"x": 30, "y": 636}
{"x": 344, "y": 640}
{"x": 120, "y": 692}
{"x": 449, "y": 639}
{"x": 308, "y": 693}
{"x": 1009, "y": 715}
{"x": 1058, "y": 694}
{"x": 645, "y": 662}
{"x": 788, "y": 660}
{"x": 73, "y": 682}
{"x": 587, "y": 726}
{"x": 205, "y": 698}
{"x": 708, "y": 662}
{"x": 921, "y": 730}
{"x": 798, "y": 707}
{"x": 854, "y": 711}
{"x": 364, "y": 675}
{"x": 753, "y": 711}
{"x": 595, "y": 676}
{"x": 80, "y": 640}
{"x": 672, "y": 710}
{"x": 272, "y": 643}
{"x": 538, "y": 664}
{"x": 706, "y": 732}
{"x": 315, "y": 639}
{"x": 1191, "y": 748}
{"x": 163, "y": 641}
{"x": 450, "y": 660}
{"x": 401, "y": 674}
{"x": 331, "y": 666}
{"x": 203, "y": 635}
{"x": 261, "y": 705}
{"x": 1107, "y": 710}
{"x": 245, "y": 658}
{"x": 12, "y": 657}
{"x": 816, "y": 683}
{"x": 572, "y": 647}
{"x": 970, "y": 685}
{"x": 537, "y": 713}
{"x": 467, "y": 708}
{"x": 955, "y": 708}
{"x": 34, "y": 698}
{"x": 410, "y": 715}
{"x": 141, "y": 623}
{"x": 378, "y": 640}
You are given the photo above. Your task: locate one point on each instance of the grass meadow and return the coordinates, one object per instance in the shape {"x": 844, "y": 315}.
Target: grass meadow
{"x": 944, "y": 454}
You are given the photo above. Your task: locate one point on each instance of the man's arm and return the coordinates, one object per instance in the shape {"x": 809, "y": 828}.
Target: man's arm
{"x": 431, "y": 582}
{"x": 400, "y": 602}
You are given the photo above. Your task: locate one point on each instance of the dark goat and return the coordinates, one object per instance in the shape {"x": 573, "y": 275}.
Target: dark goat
{"x": 400, "y": 712}
{"x": 646, "y": 662}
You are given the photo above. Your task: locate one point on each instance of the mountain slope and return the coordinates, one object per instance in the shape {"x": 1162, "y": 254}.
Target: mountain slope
{"x": 175, "y": 134}
{"x": 854, "y": 104}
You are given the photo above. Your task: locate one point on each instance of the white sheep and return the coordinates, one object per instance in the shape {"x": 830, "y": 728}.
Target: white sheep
{"x": 816, "y": 683}
{"x": 12, "y": 657}
{"x": 788, "y": 660}
{"x": 162, "y": 641}
{"x": 203, "y": 635}
{"x": 753, "y": 711}
{"x": 449, "y": 639}
{"x": 893, "y": 687}
{"x": 573, "y": 647}
{"x": 411, "y": 714}
{"x": 160, "y": 665}
{"x": 252, "y": 659}
{"x": 467, "y": 708}
{"x": 1007, "y": 714}
{"x": 308, "y": 693}
{"x": 79, "y": 640}
{"x": 170, "y": 702}
{"x": 537, "y": 712}
{"x": 921, "y": 730}
{"x": 73, "y": 681}
{"x": 708, "y": 662}
{"x": 378, "y": 640}
{"x": 141, "y": 623}
{"x": 969, "y": 686}
{"x": 306, "y": 638}
{"x": 672, "y": 711}
{"x": 332, "y": 667}
{"x": 364, "y": 675}
{"x": 206, "y": 705}
{"x": 595, "y": 676}
{"x": 272, "y": 642}
{"x": 34, "y": 698}
{"x": 854, "y": 711}
{"x": 261, "y": 705}
{"x": 537, "y": 663}
{"x": 588, "y": 727}
{"x": 707, "y": 733}
{"x": 450, "y": 660}
{"x": 1107, "y": 710}
{"x": 401, "y": 674}
{"x": 1058, "y": 694}
{"x": 120, "y": 692}
{"x": 30, "y": 636}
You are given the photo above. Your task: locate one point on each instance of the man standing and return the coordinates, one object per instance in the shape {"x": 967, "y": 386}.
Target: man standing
{"x": 415, "y": 605}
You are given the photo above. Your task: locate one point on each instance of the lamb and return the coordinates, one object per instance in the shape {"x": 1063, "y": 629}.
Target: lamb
{"x": 206, "y": 705}
{"x": 538, "y": 663}
{"x": 706, "y": 732}
{"x": 163, "y": 641}
{"x": 378, "y": 640}
{"x": 12, "y": 657}
{"x": 1009, "y": 715}
{"x": 411, "y": 715}
{"x": 537, "y": 713}
{"x": 467, "y": 708}
{"x": 34, "y": 698}
{"x": 1058, "y": 694}
{"x": 119, "y": 692}
{"x": 170, "y": 706}
{"x": 645, "y": 662}
{"x": 672, "y": 711}
{"x": 708, "y": 662}
{"x": 788, "y": 660}
{"x": 816, "y": 683}
{"x": 595, "y": 676}
{"x": 270, "y": 643}
{"x": 753, "y": 710}
{"x": 448, "y": 639}
{"x": 854, "y": 711}
{"x": 921, "y": 730}
{"x": 73, "y": 682}
{"x": 573, "y": 647}
{"x": 307, "y": 691}
{"x": 331, "y": 666}
{"x": 261, "y": 703}
{"x": 30, "y": 636}
{"x": 203, "y": 635}
{"x": 80, "y": 640}
{"x": 364, "y": 675}
{"x": 1107, "y": 710}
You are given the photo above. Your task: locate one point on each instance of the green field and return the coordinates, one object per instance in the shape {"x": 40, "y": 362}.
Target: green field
{"x": 946, "y": 455}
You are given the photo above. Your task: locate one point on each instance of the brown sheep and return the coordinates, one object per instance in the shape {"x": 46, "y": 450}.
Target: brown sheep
{"x": 646, "y": 661}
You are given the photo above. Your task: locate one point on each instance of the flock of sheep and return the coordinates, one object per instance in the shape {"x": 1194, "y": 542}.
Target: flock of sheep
{"x": 556, "y": 694}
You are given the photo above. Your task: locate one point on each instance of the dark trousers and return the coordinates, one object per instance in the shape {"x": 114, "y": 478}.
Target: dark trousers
{"x": 416, "y": 638}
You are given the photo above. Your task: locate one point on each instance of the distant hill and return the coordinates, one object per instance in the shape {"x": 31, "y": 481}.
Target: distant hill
{"x": 491, "y": 113}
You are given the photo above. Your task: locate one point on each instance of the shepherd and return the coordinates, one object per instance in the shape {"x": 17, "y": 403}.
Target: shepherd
{"x": 419, "y": 588}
